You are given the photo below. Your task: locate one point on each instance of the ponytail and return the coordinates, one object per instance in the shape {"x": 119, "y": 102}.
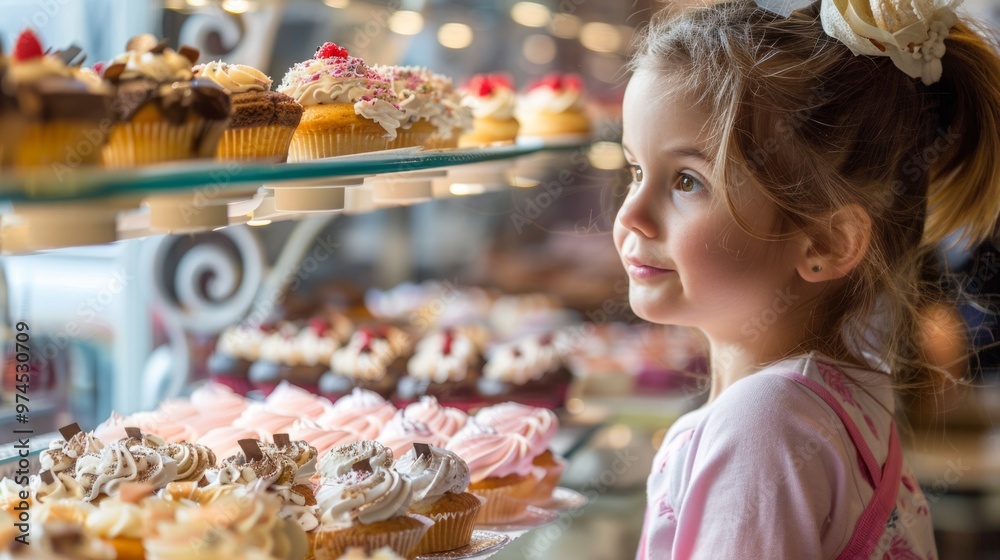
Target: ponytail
{"x": 964, "y": 156}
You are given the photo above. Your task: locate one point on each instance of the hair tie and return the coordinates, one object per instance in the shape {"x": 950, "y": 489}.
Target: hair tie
{"x": 912, "y": 34}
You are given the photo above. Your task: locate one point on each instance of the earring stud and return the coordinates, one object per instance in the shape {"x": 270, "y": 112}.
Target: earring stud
{"x": 817, "y": 268}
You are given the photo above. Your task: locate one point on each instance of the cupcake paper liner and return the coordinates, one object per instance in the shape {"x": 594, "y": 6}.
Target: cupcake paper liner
{"x": 144, "y": 143}
{"x": 331, "y": 544}
{"x": 436, "y": 142}
{"x": 451, "y": 529}
{"x": 553, "y": 473}
{"x": 505, "y": 503}
{"x": 419, "y": 134}
{"x": 353, "y": 139}
{"x": 269, "y": 143}
{"x": 69, "y": 144}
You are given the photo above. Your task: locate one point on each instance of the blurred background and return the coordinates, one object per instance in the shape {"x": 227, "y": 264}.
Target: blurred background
{"x": 125, "y": 325}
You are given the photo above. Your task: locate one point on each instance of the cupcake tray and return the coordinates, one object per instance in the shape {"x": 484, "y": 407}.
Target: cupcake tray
{"x": 565, "y": 499}
{"x": 484, "y": 543}
{"x": 533, "y": 518}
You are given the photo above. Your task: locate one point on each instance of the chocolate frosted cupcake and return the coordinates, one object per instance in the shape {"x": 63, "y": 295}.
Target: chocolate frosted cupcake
{"x": 529, "y": 370}
{"x": 263, "y": 120}
{"x": 165, "y": 114}
{"x": 61, "y": 114}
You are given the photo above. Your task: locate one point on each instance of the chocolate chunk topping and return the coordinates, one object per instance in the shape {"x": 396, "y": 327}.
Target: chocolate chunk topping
{"x": 134, "y": 432}
{"x": 362, "y": 466}
{"x": 282, "y": 440}
{"x": 47, "y": 477}
{"x": 422, "y": 449}
{"x": 203, "y": 482}
{"x": 189, "y": 52}
{"x": 114, "y": 71}
{"x": 251, "y": 448}
{"x": 69, "y": 431}
{"x": 69, "y": 54}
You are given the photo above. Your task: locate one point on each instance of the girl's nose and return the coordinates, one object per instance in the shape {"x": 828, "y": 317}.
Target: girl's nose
{"x": 637, "y": 214}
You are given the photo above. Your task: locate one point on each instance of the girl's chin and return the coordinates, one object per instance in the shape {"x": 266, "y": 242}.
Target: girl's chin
{"x": 658, "y": 312}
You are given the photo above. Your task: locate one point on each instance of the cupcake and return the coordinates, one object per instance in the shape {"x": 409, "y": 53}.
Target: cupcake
{"x": 11, "y": 120}
{"x": 218, "y": 406}
{"x": 301, "y": 453}
{"x": 236, "y": 349}
{"x": 64, "y": 112}
{"x": 362, "y": 412}
{"x": 63, "y": 454}
{"x": 294, "y": 401}
{"x": 425, "y": 421}
{"x": 492, "y": 99}
{"x": 433, "y": 119}
{"x": 439, "y": 480}
{"x": 374, "y": 359}
{"x": 367, "y": 508}
{"x": 531, "y": 369}
{"x": 263, "y": 120}
{"x": 553, "y": 106}
{"x": 299, "y": 354}
{"x": 122, "y": 523}
{"x": 164, "y": 113}
{"x": 341, "y": 459}
{"x": 501, "y": 470}
{"x": 348, "y": 108}
{"x": 539, "y": 425}
{"x": 445, "y": 364}
{"x": 126, "y": 460}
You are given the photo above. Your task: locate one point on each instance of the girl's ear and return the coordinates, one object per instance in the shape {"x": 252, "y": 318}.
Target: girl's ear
{"x": 848, "y": 239}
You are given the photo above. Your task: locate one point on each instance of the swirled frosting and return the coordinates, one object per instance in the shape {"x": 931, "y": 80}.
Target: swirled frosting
{"x": 63, "y": 487}
{"x": 339, "y": 461}
{"x": 298, "y": 503}
{"x": 62, "y": 455}
{"x": 237, "y": 78}
{"x": 401, "y": 433}
{"x": 369, "y": 353}
{"x": 424, "y": 95}
{"x": 41, "y": 68}
{"x": 364, "y": 497}
{"x": 302, "y": 454}
{"x": 192, "y": 459}
{"x": 272, "y": 469}
{"x": 218, "y": 406}
{"x": 345, "y": 79}
{"x": 104, "y": 472}
{"x": 439, "y": 419}
{"x": 490, "y": 454}
{"x": 258, "y": 417}
{"x": 433, "y": 475}
{"x": 112, "y": 429}
{"x": 443, "y": 356}
{"x": 223, "y": 440}
{"x": 361, "y": 411}
{"x": 291, "y": 400}
{"x": 171, "y": 430}
{"x": 539, "y": 425}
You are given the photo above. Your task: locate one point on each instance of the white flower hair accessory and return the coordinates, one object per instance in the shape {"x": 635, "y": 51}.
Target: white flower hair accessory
{"x": 910, "y": 32}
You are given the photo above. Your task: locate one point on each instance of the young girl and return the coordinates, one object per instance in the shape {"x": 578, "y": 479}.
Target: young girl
{"x": 791, "y": 178}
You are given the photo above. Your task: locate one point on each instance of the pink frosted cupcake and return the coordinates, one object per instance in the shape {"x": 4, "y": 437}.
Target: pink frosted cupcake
{"x": 501, "y": 471}
{"x": 539, "y": 425}
{"x": 258, "y": 417}
{"x": 224, "y": 440}
{"x": 362, "y": 411}
{"x": 291, "y": 400}
{"x": 439, "y": 419}
{"x": 218, "y": 406}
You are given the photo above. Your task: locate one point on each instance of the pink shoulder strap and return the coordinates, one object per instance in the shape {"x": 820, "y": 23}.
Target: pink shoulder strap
{"x": 873, "y": 519}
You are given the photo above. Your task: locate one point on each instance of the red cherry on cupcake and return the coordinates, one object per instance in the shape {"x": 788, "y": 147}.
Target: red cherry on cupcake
{"x": 318, "y": 325}
{"x": 331, "y": 50}
{"x": 553, "y": 81}
{"x": 28, "y": 46}
{"x": 449, "y": 340}
{"x": 99, "y": 67}
{"x": 572, "y": 82}
{"x": 481, "y": 86}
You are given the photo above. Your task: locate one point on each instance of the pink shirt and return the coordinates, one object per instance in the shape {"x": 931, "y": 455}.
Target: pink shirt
{"x": 768, "y": 470}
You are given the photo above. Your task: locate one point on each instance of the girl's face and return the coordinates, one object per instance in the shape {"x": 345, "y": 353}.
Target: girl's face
{"x": 688, "y": 261}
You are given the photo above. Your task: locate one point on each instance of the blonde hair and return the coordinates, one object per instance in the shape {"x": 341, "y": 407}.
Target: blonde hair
{"x": 816, "y": 128}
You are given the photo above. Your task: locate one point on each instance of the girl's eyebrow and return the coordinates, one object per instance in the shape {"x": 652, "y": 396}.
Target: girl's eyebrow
{"x": 688, "y": 151}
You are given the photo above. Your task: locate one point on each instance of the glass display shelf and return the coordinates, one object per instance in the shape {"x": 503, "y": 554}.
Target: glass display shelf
{"x": 64, "y": 183}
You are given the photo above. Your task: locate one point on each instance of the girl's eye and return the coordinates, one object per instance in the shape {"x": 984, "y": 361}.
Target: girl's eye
{"x": 688, "y": 184}
{"x": 636, "y": 173}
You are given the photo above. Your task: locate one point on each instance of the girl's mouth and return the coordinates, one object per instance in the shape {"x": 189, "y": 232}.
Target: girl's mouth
{"x": 640, "y": 271}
